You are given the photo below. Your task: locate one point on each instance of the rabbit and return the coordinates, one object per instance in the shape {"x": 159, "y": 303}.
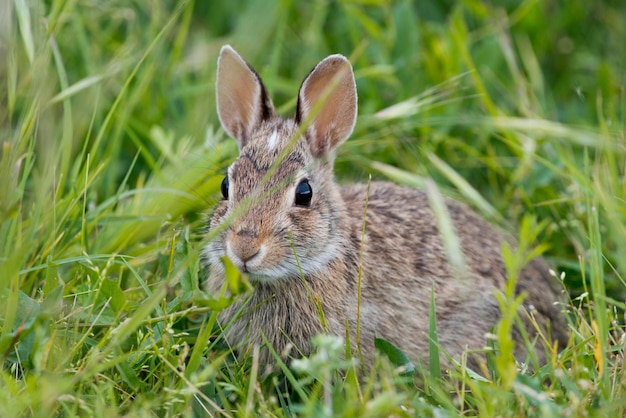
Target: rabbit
{"x": 299, "y": 237}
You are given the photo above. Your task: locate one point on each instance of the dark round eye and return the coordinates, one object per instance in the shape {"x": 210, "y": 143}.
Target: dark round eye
{"x": 304, "y": 193}
{"x": 225, "y": 188}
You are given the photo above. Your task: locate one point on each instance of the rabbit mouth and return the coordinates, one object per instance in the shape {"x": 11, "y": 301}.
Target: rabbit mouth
{"x": 247, "y": 258}
{"x": 265, "y": 263}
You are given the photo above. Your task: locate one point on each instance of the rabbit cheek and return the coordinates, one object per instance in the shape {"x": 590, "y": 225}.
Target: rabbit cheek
{"x": 309, "y": 235}
{"x": 214, "y": 250}
{"x": 218, "y": 214}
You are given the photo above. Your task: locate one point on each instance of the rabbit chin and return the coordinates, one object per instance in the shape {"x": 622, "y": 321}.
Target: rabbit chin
{"x": 276, "y": 275}
{"x": 265, "y": 279}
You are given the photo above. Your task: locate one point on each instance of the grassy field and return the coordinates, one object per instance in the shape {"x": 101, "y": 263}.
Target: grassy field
{"x": 112, "y": 155}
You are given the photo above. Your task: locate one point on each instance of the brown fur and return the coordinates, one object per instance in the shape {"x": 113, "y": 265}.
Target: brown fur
{"x": 296, "y": 255}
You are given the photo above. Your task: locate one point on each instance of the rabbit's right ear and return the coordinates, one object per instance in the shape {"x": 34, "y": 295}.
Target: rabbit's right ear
{"x": 242, "y": 100}
{"x": 328, "y": 101}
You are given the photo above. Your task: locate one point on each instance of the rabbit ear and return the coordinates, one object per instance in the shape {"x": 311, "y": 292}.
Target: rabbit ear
{"x": 328, "y": 94}
{"x": 242, "y": 100}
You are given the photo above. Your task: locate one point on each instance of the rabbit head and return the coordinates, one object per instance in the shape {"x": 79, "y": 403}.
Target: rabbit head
{"x": 282, "y": 211}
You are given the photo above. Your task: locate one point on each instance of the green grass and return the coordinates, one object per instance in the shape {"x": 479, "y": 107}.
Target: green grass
{"x": 111, "y": 155}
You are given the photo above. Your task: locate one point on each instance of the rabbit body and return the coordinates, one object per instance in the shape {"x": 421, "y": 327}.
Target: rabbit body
{"x": 309, "y": 246}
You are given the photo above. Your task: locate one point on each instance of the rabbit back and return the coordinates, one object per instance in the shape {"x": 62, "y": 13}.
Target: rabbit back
{"x": 404, "y": 261}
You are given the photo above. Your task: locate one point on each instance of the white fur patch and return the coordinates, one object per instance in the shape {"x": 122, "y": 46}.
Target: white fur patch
{"x": 273, "y": 141}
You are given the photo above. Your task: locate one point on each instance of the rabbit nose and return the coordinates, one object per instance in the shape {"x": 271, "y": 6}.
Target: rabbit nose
{"x": 245, "y": 252}
{"x": 245, "y": 245}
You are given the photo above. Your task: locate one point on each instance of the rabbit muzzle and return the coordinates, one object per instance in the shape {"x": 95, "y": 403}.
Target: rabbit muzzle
{"x": 243, "y": 249}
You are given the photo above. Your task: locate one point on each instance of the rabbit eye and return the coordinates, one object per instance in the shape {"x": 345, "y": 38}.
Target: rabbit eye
{"x": 225, "y": 185}
{"x": 304, "y": 193}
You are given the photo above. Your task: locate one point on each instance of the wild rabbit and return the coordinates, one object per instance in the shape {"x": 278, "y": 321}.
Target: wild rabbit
{"x": 298, "y": 236}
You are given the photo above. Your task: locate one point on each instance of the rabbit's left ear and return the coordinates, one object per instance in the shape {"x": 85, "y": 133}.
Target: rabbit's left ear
{"x": 242, "y": 100}
{"x": 328, "y": 103}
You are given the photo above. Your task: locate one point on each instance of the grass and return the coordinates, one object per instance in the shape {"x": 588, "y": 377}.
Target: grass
{"x": 111, "y": 155}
